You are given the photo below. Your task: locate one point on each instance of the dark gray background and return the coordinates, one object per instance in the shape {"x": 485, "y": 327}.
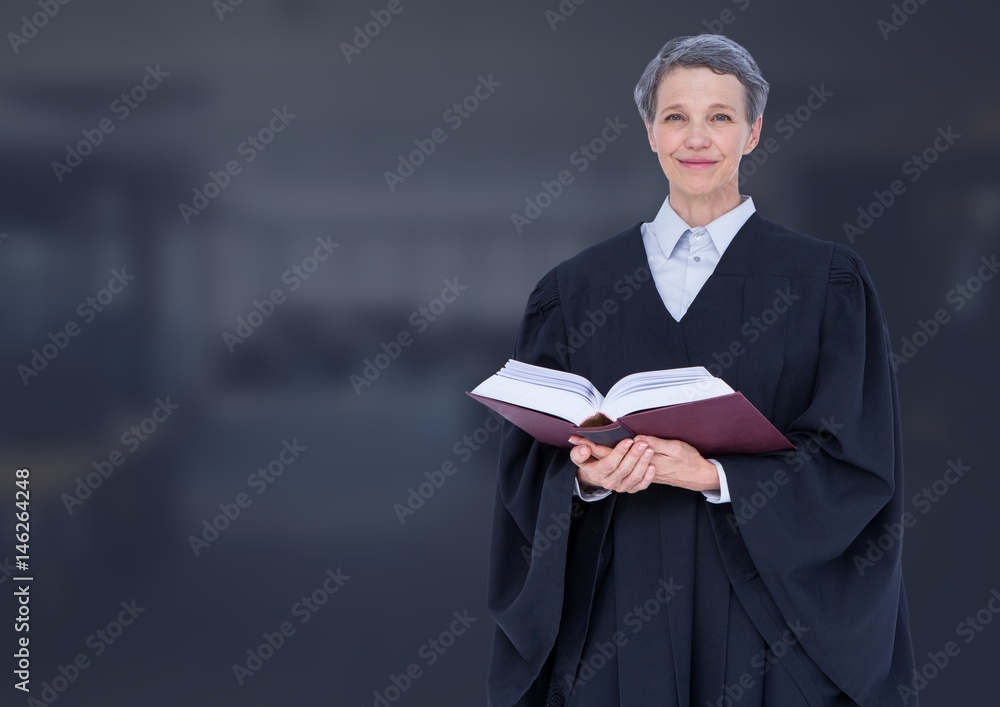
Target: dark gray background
{"x": 333, "y": 508}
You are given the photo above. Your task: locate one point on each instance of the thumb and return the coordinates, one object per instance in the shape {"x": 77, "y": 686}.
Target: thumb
{"x": 579, "y": 454}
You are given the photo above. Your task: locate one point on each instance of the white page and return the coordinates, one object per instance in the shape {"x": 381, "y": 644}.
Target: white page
{"x": 666, "y": 377}
{"x": 646, "y": 398}
{"x": 572, "y": 397}
{"x": 569, "y": 403}
{"x": 552, "y": 378}
{"x": 653, "y": 389}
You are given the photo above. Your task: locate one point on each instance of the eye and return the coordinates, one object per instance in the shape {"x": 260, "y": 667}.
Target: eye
{"x": 723, "y": 115}
{"x": 668, "y": 119}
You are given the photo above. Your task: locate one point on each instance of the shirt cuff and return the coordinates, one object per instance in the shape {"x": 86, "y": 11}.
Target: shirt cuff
{"x": 595, "y": 496}
{"x": 722, "y": 495}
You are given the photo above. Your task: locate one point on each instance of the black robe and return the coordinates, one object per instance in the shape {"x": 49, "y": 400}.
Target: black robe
{"x": 660, "y": 597}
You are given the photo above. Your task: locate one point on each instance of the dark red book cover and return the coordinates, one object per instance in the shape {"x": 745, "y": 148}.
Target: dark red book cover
{"x": 728, "y": 424}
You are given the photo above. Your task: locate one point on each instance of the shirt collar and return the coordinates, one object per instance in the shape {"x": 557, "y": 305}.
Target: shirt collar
{"x": 668, "y": 227}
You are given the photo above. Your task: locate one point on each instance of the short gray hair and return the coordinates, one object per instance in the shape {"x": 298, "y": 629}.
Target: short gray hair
{"x": 714, "y": 51}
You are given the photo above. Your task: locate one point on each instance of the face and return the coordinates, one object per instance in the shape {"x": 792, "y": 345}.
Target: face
{"x": 700, "y": 132}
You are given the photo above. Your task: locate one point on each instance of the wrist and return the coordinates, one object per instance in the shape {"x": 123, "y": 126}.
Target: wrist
{"x": 586, "y": 487}
{"x": 713, "y": 483}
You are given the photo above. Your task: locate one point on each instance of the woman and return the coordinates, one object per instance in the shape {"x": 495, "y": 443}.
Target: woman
{"x": 646, "y": 574}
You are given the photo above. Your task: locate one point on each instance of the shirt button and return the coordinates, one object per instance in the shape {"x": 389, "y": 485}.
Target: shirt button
{"x": 697, "y": 258}
{"x": 699, "y": 234}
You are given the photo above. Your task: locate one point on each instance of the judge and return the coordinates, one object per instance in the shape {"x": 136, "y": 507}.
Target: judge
{"x": 646, "y": 574}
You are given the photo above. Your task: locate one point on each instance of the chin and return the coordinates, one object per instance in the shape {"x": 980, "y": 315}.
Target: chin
{"x": 680, "y": 188}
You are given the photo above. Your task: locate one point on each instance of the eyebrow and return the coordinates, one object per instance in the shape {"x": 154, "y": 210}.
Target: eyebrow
{"x": 674, "y": 106}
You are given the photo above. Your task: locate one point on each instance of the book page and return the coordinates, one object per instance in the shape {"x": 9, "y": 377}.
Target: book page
{"x": 565, "y": 395}
{"x": 653, "y": 389}
{"x": 572, "y": 397}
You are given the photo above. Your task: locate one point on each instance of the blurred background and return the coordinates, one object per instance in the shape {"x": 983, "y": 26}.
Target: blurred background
{"x": 166, "y": 167}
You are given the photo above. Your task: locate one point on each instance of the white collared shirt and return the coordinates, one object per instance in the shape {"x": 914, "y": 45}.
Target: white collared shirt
{"x": 681, "y": 259}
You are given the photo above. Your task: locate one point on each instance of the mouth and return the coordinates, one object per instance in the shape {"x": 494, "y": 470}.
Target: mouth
{"x": 697, "y": 165}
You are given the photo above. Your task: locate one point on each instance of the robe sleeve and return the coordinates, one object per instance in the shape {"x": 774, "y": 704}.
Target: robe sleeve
{"x": 531, "y": 520}
{"x": 805, "y": 517}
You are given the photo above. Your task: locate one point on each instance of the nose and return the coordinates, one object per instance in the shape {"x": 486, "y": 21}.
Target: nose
{"x": 696, "y": 135}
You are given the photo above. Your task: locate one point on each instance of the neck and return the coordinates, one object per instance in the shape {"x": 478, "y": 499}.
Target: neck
{"x": 701, "y": 210}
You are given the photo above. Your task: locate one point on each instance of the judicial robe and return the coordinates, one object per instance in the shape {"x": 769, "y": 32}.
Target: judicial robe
{"x": 660, "y": 597}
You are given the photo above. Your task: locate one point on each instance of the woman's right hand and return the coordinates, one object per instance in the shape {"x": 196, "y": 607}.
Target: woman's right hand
{"x": 625, "y": 468}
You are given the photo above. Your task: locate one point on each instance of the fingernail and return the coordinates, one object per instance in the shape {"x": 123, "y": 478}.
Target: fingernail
{"x": 628, "y": 444}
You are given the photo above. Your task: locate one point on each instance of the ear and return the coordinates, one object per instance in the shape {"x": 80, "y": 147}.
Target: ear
{"x": 754, "y": 138}
{"x": 649, "y": 135}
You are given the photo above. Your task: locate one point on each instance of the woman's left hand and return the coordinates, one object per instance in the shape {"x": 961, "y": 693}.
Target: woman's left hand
{"x": 679, "y": 464}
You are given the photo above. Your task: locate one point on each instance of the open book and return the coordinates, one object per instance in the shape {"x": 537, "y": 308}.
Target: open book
{"x": 689, "y": 404}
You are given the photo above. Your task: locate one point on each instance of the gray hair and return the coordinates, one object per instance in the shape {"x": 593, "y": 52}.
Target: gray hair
{"x": 714, "y": 51}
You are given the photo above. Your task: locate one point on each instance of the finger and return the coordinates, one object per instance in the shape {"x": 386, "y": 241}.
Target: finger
{"x": 658, "y": 444}
{"x": 587, "y": 452}
{"x": 634, "y": 480}
{"x": 600, "y": 451}
{"x": 580, "y": 454}
{"x": 619, "y": 474}
{"x": 621, "y": 451}
{"x": 606, "y": 471}
{"x": 597, "y": 450}
{"x": 668, "y": 447}
{"x": 646, "y": 481}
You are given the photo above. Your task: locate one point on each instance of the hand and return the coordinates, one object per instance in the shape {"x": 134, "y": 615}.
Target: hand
{"x": 679, "y": 464}
{"x": 625, "y": 468}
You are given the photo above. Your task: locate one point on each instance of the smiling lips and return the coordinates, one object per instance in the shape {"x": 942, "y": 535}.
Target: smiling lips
{"x": 697, "y": 164}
